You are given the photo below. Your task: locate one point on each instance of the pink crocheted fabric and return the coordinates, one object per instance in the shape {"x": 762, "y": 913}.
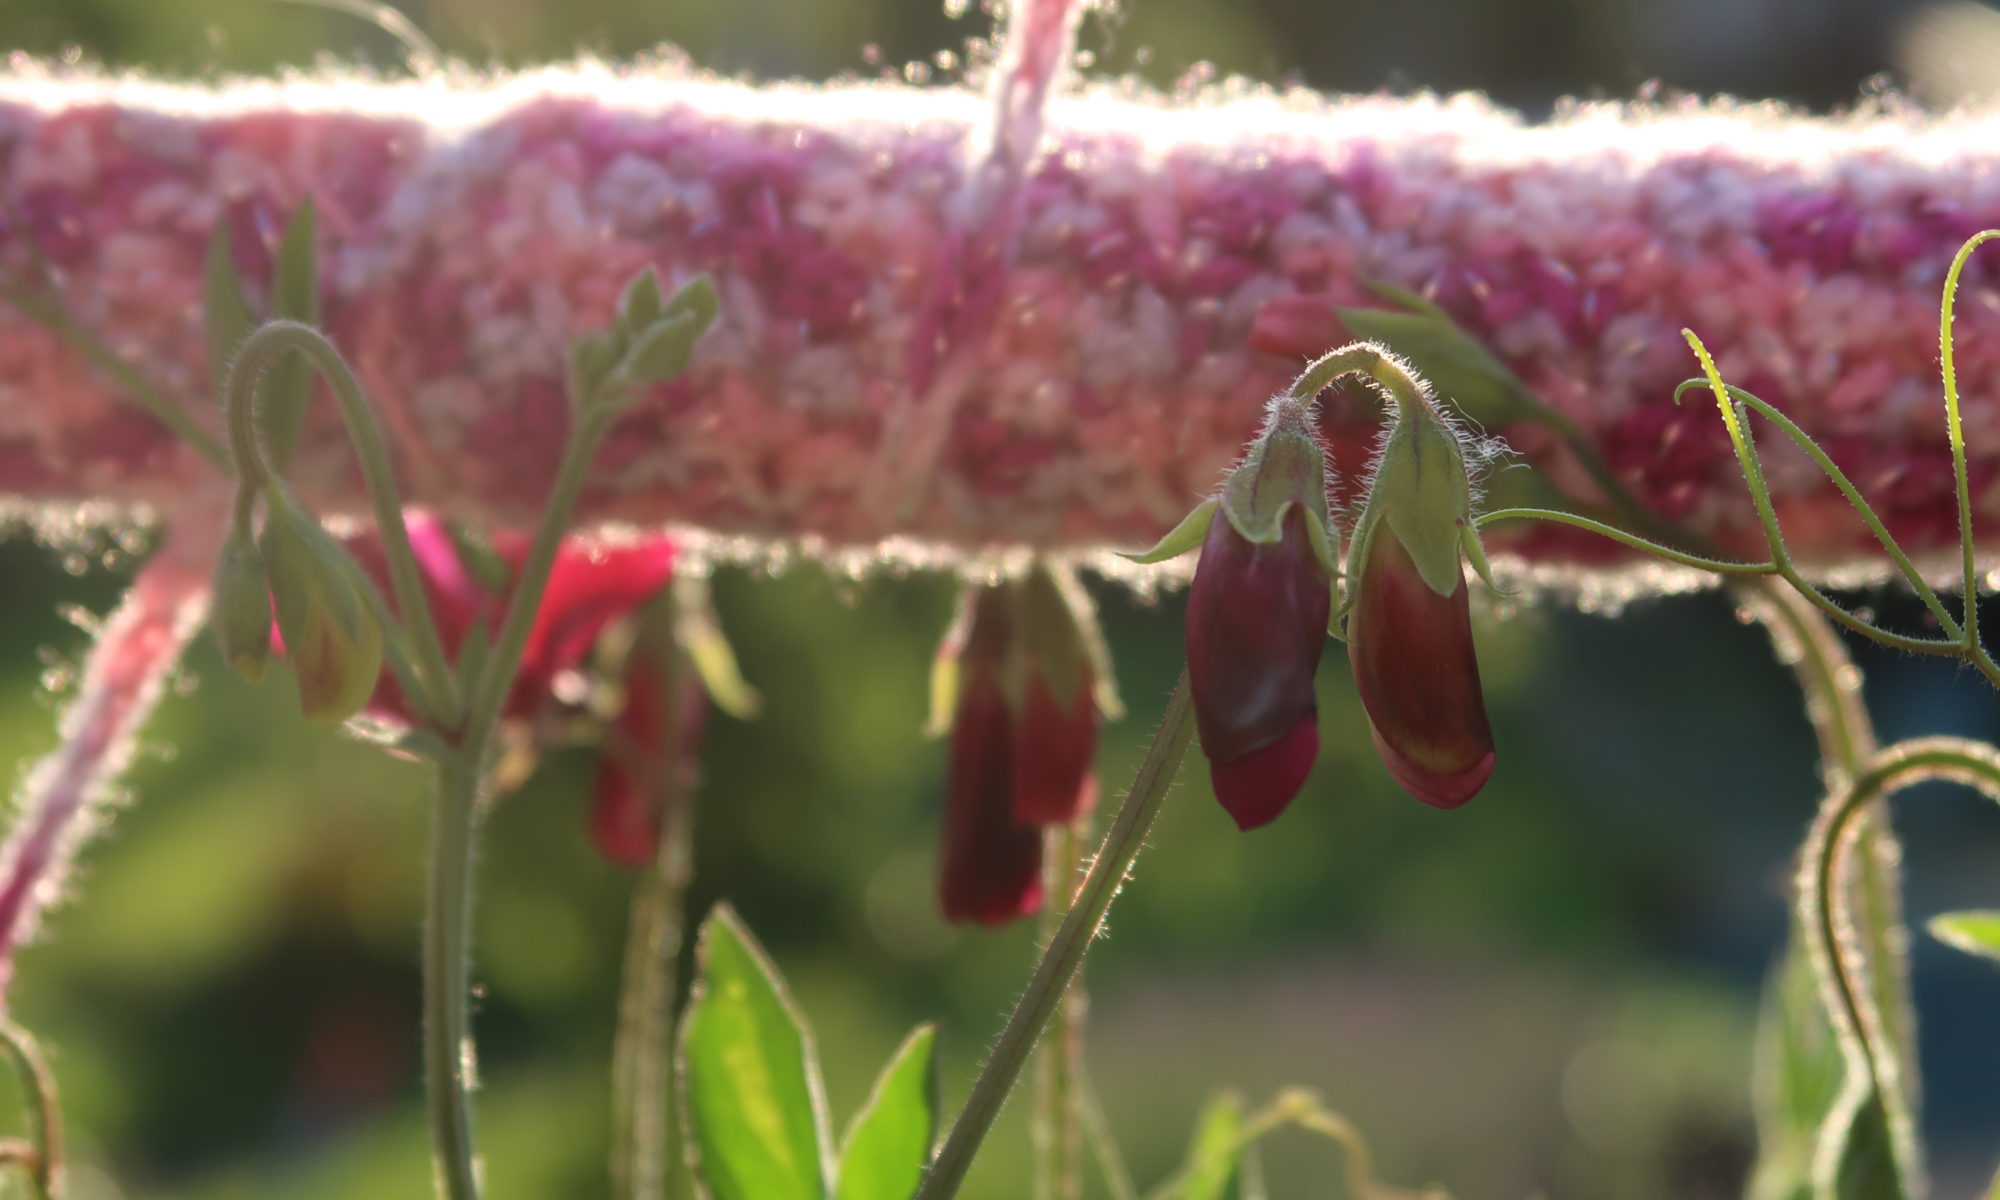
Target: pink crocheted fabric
{"x": 935, "y": 333}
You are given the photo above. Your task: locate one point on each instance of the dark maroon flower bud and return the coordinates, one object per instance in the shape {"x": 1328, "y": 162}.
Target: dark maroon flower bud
{"x": 1058, "y": 689}
{"x": 1409, "y": 628}
{"x": 1257, "y": 616}
{"x": 991, "y": 868}
{"x": 648, "y": 758}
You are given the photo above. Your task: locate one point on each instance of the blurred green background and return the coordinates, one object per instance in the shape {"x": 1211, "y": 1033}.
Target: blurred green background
{"x": 1549, "y": 992}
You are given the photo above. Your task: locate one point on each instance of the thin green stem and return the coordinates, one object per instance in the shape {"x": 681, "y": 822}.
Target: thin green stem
{"x": 258, "y": 352}
{"x": 1852, "y": 494}
{"x": 1700, "y": 562}
{"x": 450, "y": 1069}
{"x": 1058, "y": 1148}
{"x": 45, "y": 1160}
{"x": 1824, "y": 909}
{"x": 1831, "y": 683}
{"x": 1064, "y": 955}
{"x": 489, "y": 692}
{"x": 1103, "y": 1146}
{"x": 1955, "y": 429}
{"x": 1300, "y": 1109}
{"x": 642, "y": 1129}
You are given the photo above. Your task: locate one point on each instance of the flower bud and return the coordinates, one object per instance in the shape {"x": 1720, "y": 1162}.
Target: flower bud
{"x": 1257, "y": 616}
{"x": 1059, "y": 691}
{"x": 241, "y": 616}
{"x": 990, "y": 870}
{"x": 333, "y": 635}
{"x": 1409, "y": 628}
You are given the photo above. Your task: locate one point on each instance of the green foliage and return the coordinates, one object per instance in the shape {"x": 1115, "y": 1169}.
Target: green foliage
{"x": 1216, "y": 1151}
{"x": 1975, "y": 932}
{"x": 890, "y": 1139}
{"x": 753, "y": 1102}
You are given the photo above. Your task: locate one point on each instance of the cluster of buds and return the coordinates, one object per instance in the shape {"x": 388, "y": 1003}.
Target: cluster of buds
{"x": 1022, "y": 682}
{"x": 1262, "y": 602}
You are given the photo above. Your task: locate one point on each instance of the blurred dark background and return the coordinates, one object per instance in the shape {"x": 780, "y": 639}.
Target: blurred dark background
{"x": 1549, "y": 992}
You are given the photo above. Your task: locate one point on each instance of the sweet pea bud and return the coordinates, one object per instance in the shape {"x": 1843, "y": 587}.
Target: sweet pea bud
{"x": 1060, "y": 686}
{"x": 989, "y": 868}
{"x": 241, "y": 615}
{"x": 333, "y": 635}
{"x": 1257, "y": 615}
{"x": 1409, "y": 627}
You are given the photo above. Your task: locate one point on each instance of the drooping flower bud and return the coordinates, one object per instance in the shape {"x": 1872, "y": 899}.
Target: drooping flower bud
{"x": 1060, "y": 691}
{"x": 1409, "y": 627}
{"x": 990, "y": 870}
{"x": 241, "y": 615}
{"x": 333, "y": 635}
{"x": 1257, "y": 615}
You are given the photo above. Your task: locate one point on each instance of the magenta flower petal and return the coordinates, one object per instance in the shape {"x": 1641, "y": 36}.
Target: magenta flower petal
{"x": 991, "y": 870}
{"x": 1256, "y": 623}
{"x": 589, "y": 587}
{"x": 1258, "y": 786}
{"x": 1053, "y": 750}
{"x": 1414, "y": 666}
{"x": 645, "y": 765}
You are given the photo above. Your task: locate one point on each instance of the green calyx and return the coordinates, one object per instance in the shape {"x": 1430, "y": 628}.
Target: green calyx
{"x": 1057, "y": 631}
{"x": 1421, "y": 489}
{"x": 333, "y": 635}
{"x": 1284, "y": 467}
{"x": 241, "y": 615}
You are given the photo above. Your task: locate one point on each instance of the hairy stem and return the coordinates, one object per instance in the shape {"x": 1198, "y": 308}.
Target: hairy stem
{"x": 259, "y": 351}
{"x": 450, "y": 1068}
{"x": 1058, "y": 1148}
{"x": 642, "y": 1128}
{"x": 44, "y": 1112}
{"x": 1064, "y": 955}
{"x": 1825, "y": 908}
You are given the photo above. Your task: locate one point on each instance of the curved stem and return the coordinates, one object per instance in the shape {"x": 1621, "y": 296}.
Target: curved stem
{"x": 1064, "y": 954}
{"x": 1955, "y": 430}
{"x": 450, "y": 1070}
{"x": 38, "y": 1093}
{"x": 1824, "y": 901}
{"x": 1847, "y": 490}
{"x": 1700, "y": 562}
{"x": 253, "y": 358}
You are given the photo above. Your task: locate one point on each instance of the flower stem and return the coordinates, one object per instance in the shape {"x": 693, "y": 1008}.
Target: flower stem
{"x": 1824, "y": 908}
{"x": 44, "y": 1113}
{"x": 239, "y": 399}
{"x": 450, "y": 1070}
{"x": 1064, "y": 955}
{"x": 642, "y": 1127}
{"x": 1058, "y": 1147}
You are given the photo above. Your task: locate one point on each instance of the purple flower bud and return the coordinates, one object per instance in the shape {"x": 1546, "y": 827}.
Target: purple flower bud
{"x": 1409, "y": 630}
{"x": 1256, "y": 622}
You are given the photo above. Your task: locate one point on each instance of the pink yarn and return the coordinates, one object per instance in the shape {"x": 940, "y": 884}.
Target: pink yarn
{"x": 974, "y": 320}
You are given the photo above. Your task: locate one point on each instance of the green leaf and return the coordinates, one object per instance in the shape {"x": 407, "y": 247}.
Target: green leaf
{"x": 1797, "y": 1096}
{"x": 1975, "y": 932}
{"x": 294, "y": 297}
{"x": 1181, "y": 538}
{"x": 890, "y": 1140}
{"x": 226, "y": 315}
{"x": 1217, "y": 1149}
{"x": 752, "y": 1099}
